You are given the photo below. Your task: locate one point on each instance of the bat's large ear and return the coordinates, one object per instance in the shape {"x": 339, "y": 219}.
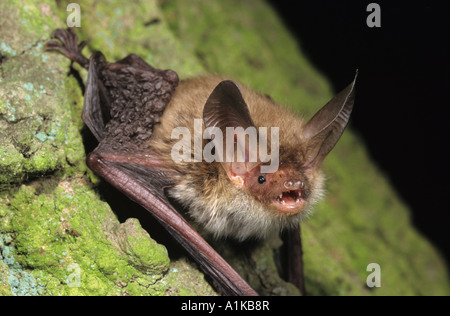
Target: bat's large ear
{"x": 325, "y": 128}
{"x": 224, "y": 108}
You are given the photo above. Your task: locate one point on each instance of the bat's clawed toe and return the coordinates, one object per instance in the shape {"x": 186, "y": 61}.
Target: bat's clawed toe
{"x": 67, "y": 44}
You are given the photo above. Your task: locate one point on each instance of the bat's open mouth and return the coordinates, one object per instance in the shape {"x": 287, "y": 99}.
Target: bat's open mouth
{"x": 289, "y": 202}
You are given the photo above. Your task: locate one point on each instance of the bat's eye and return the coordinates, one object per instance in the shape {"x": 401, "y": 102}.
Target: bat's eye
{"x": 261, "y": 179}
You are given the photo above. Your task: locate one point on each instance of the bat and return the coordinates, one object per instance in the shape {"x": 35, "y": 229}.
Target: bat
{"x": 205, "y": 142}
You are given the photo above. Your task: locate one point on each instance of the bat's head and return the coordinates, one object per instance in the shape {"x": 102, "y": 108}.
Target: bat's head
{"x": 285, "y": 179}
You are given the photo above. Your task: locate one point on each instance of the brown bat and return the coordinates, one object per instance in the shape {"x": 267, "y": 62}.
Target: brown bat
{"x": 205, "y": 143}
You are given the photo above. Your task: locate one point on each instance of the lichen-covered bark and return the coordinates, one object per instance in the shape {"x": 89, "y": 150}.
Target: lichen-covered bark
{"x": 58, "y": 236}
{"x": 37, "y": 133}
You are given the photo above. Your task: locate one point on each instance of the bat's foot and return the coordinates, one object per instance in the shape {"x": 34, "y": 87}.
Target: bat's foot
{"x": 68, "y": 45}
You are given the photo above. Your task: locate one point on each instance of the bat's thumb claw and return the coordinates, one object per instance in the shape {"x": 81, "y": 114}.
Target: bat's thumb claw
{"x": 171, "y": 76}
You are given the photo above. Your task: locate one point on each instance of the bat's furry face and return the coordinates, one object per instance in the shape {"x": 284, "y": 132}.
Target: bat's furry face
{"x": 236, "y": 199}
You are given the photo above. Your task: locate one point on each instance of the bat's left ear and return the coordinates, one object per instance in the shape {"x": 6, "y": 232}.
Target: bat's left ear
{"x": 224, "y": 108}
{"x": 325, "y": 128}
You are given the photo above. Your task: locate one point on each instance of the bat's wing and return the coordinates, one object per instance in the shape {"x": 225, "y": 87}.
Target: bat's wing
{"x": 123, "y": 101}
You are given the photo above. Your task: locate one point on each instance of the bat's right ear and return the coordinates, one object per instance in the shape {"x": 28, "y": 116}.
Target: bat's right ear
{"x": 324, "y": 129}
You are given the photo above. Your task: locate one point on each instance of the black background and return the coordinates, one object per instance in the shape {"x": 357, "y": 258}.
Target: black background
{"x": 402, "y": 108}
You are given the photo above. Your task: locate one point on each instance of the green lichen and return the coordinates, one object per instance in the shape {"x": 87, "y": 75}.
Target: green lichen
{"x": 65, "y": 233}
{"x": 118, "y": 30}
{"x": 34, "y": 110}
{"x": 26, "y": 25}
{"x": 135, "y": 243}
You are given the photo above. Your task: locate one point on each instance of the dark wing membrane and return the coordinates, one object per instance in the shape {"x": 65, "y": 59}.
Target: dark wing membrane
{"x": 137, "y": 95}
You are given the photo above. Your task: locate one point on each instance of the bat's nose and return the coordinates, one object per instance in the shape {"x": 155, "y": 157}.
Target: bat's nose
{"x": 293, "y": 185}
